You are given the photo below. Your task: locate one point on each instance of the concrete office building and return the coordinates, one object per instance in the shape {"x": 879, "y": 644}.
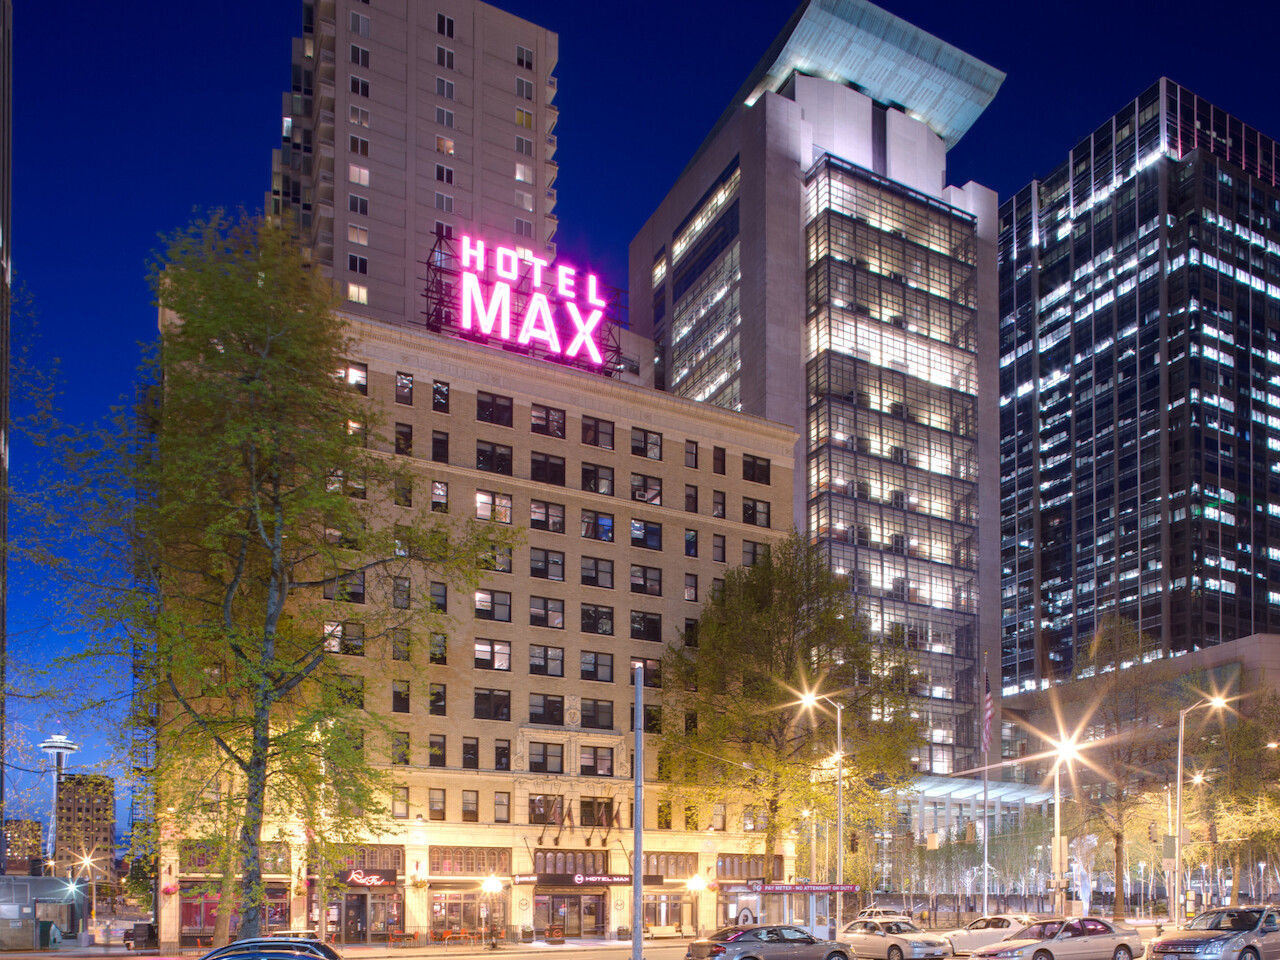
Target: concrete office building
{"x": 812, "y": 266}
{"x": 86, "y": 826}
{"x": 405, "y": 121}
{"x": 1140, "y": 388}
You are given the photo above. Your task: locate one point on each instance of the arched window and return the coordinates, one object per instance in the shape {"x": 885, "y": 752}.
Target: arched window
{"x": 539, "y": 863}
{"x": 434, "y": 860}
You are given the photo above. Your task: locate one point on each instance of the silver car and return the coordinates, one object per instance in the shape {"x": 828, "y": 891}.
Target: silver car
{"x": 1078, "y": 938}
{"x": 987, "y": 930}
{"x": 1224, "y": 933}
{"x": 761, "y": 941}
{"x": 892, "y": 938}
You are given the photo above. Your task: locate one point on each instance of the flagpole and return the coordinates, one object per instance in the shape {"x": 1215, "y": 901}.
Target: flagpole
{"x": 987, "y": 710}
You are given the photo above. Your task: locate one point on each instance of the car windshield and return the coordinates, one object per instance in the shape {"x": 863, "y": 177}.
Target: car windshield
{"x": 1226, "y": 920}
{"x": 727, "y": 934}
{"x": 900, "y": 927}
{"x": 1039, "y": 931}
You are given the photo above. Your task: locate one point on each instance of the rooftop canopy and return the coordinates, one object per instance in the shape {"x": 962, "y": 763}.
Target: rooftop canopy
{"x": 894, "y": 63}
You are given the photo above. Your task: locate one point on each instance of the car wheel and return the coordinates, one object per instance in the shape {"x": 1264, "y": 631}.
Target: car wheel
{"x": 1042, "y": 955}
{"x": 837, "y": 955}
{"x": 895, "y": 953}
{"x": 1122, "y": 953}
{"x": 1249, "y": 954}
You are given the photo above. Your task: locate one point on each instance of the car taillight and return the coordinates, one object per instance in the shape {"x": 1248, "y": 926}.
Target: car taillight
{"x": 717, "y": 949}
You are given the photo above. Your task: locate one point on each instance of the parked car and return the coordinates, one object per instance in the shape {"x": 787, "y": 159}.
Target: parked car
{"x": 892, "y": 938}
{"x": 758, "y": 941}
{"x": 283, "y": 947}
{"x": 873, "y": 912}
{"x": 1224, "y": 933}
{"x": 1079, "y": 938}
{"x": 987, "y": 930}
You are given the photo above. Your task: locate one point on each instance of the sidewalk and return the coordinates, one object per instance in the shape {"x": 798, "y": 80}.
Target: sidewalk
{"x": 537, "y": 949}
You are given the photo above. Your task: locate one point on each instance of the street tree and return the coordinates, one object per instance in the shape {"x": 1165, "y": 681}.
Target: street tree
{"x": 733, "y": 725}
{"x": 232, "y": 537}
{"x": 1127, "y": 727}
{"x": 1240, "y": 799}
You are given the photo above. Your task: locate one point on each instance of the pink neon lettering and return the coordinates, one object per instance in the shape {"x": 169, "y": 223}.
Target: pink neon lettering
{"x": 498, "y": 309}
{"x": 508, "y": 264}
{"x": 538, "y": 264}
{"x": 472, "y": 252}
{"x": 592, "y": 297}
{"x": 564, "y": 282}
{"x": 583, "y": 337}
{"x": 537, "y": 323}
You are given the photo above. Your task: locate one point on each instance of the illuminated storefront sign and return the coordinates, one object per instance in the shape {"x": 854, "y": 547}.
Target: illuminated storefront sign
{"x": 562, "y": 310}
{"x": 368, "y": 878}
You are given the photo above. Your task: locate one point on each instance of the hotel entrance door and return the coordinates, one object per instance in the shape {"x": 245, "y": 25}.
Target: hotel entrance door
{"x": 578, "y": 915}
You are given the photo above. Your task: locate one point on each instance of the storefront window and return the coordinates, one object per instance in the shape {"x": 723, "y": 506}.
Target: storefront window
{"x": 465, "y": 913}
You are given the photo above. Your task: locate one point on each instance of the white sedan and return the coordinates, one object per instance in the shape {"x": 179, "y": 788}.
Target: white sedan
{"x": 892, "y": 938}
{"x": 1078, "y": 938}
{"x": 987, "y": 930}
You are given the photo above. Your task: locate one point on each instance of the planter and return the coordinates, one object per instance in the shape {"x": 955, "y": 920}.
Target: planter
{"x": 555, "y": 934}
{"x": 526, "y": 935}
{"x": 624, "y": 933}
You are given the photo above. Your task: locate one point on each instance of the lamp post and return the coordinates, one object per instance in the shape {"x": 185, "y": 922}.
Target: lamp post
{"x": 695, "y": 885}
{"x": 1217, "y": 703}
{"x": 1066, "y": 752}
{"x": 810, "y": 700}
{"x": 86, "y": 861}
{"x": 492, "y": 885}
{"x": 1262, "y": 880}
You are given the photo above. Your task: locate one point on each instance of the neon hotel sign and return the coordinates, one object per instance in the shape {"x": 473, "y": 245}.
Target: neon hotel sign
{"x": 562, "y": 313}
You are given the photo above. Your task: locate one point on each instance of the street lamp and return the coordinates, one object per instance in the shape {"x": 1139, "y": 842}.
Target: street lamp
{"x": 86, "y": 861}
{"x": 1217, "y": 703}
{"x": 492, "y": 885}
{"x": 1066, "y": 752}
{"x": 810, "y": 700}
{"x": 695, "y": 885}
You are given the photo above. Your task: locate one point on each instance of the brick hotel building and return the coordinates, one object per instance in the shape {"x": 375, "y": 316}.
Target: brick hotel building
{"x": 515, "y": 746}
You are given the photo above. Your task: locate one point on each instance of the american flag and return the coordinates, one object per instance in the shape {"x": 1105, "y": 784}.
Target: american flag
{"x": 988, "y": 711}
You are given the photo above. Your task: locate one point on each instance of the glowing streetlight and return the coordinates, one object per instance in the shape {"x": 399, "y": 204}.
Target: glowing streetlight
{"x": 492, "y": 885}
{"x": 695, "y": 885}
{"x": 1215, "y": 703}
{"x": 810, "y": 701}
{"x": 1065, "y": 751}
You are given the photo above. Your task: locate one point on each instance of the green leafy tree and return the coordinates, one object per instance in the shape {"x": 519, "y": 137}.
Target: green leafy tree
{"x": 1128, "y": 727}
{"x": 732, "y": 723}
{"x": 232, "y": 536}
{"x": 1238, "y": 796}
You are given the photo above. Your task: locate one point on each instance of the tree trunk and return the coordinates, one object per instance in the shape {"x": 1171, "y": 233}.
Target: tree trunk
{"x": 1234, "y": 858}
{"x": 251, "y": 897}
{"x": 226, "y": 903}
{"x": 1118, "y": 904}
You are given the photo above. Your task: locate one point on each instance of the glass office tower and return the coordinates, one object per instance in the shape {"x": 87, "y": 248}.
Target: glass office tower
{"x": 1140, "y": 388}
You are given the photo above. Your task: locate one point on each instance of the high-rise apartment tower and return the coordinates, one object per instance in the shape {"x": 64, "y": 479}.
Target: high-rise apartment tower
{"x": 812, "y": 266}
{"x": 406, "y": 123}
{"x": 1140, "y": 387}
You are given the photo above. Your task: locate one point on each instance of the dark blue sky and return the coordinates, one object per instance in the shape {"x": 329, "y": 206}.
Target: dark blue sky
{"x": 127, "y": 119}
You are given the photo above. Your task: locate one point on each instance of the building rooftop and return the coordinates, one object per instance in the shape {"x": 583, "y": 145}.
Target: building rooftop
{"x": 857, "y": 43}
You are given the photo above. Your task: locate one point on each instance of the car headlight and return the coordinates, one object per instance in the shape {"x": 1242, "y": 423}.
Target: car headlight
{"x": 1215, "y": 948}
{"x": 918, "y": 944}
